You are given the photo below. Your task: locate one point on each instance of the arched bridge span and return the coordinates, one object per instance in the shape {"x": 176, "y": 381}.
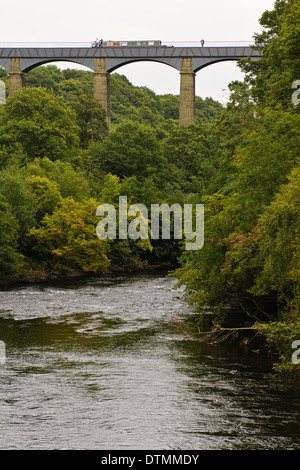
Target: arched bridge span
{"x": 104, "y": 60}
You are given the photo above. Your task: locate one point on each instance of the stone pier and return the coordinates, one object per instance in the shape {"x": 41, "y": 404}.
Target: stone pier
{"x": 16, "y": 77}
{"x": 187, "y": 60}
{"x": 187, "y": 92}
{"x": 102, "y": 86}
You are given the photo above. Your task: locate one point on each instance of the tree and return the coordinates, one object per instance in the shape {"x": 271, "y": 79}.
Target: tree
{"x": 207, "y": 109}
{"x": 193, "y": 150}
{"x": 252, "y": 221}
{"x": 3, "y": 74}
{"x": 124, "y": 252}
{"x": 47, "y": 194}
{"x": 66, "y": 240}
{"x": 131, "y": 149}
{"x": 46, "y": 77}
{"x": 71, "y": 89}
{"x": 10, "y": 259}
{"x": 85, "y": 77}
{"x": 41, "y": 123}
{"x": 271, "y": 77}
{"x": 111, "y": 190}
{"x": 71, "y": 182}
{"x": 278, "y": 240}
{"x": 128, "y": 102}
{"x": 91, "y": 119}
{"x": 22, "y": 201}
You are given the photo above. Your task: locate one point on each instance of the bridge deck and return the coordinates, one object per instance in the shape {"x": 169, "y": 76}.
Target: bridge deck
{"x": 31, "y": 57}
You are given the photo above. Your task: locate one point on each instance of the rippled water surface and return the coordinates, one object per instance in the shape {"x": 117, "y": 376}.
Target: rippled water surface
{"x": 94, "y": 364}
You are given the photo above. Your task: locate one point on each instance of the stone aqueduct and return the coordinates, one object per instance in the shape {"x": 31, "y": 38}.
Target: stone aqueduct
{"x": 104, "y": 60}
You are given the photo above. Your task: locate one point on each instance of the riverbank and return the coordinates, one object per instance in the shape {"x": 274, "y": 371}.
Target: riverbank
{"x": 38, "y": 276}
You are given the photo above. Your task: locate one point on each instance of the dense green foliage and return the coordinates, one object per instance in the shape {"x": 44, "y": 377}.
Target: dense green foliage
{"x": 251, "y": 252}
{"x": 58, "y": 162}
{"x": 127, "y": 102}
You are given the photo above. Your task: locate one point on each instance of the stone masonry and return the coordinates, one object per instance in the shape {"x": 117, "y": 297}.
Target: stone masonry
{"x": 16, "y": 77}
{"x": 105, "y": 60}
{"x": 102, "y": 86}
{"x": 187, "y": 92}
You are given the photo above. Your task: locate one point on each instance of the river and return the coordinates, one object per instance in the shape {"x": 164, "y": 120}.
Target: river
{"x": 94, "y": 364}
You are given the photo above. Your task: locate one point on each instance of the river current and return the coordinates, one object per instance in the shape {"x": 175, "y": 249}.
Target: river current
{"x": 96, "y": 364}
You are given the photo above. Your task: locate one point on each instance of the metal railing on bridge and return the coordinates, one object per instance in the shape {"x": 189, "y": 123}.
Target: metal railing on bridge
{"x": 13, "y": 45}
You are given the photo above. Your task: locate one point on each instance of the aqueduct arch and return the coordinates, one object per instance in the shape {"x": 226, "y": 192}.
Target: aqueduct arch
{"x": 104, "y": 60}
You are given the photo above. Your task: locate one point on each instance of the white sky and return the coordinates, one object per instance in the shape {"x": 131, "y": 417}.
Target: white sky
{"x": 165, "y": 20}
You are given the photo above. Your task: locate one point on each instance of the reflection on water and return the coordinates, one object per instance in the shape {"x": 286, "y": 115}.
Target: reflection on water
{"x": 93, "y": 364}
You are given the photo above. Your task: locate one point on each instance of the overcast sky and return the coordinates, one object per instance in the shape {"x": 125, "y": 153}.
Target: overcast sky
{"x": 165, "y": 20}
